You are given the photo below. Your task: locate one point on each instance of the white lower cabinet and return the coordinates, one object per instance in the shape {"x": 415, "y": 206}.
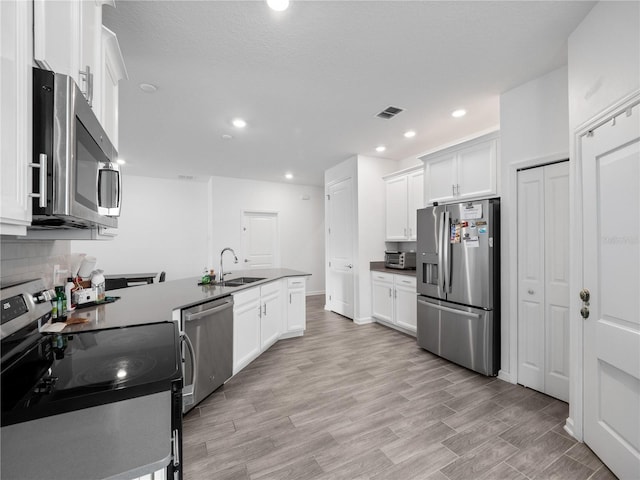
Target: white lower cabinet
{"x": 264, "y": 314}
{"x": 296, "y": 305}
{"x": 393, "y": 299}
{"x": 271, "y": 314}
{"x": 246, "y": 327}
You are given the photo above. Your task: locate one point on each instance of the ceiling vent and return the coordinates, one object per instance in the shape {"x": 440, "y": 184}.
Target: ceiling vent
{"x": 389, "y": 112}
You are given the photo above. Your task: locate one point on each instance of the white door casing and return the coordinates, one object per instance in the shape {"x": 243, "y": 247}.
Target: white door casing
{"x": 340, "y": 247}
{"x": 609, "y": 157}
{"x": 260, "y": 242}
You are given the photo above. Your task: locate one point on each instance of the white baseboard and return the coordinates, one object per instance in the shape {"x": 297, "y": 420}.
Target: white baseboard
{"x": 569, "y": 427}
{"x": 507, "y": 377}
{"x": 362, "y": 321}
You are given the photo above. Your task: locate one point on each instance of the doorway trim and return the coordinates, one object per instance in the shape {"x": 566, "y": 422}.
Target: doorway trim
{"x": 511, "y": 221}
{"x": 575, "y": 422}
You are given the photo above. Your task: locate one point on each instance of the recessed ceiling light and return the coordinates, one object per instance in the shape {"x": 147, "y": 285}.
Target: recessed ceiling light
{"x": 458, "y": 113}
{"x": 410, "y": 134}
{"x": 381, "y": 148}
{"x": 288, "y": 176}
{"x": 239, "y": 123}
{"x": 278, "y": 5}
{"x": 121, "y": 161}
{"x": 147, "y": 87}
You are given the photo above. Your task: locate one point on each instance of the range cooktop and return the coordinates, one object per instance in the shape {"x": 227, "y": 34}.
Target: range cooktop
{"x": 59, "y": 373}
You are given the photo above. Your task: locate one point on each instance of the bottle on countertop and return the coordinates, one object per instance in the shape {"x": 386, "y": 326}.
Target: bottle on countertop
{"x": 69, "y": 287}
{"x": 205, "y": 277}
{"x": 212, "y": 275}
{"x": 61, "y": 304}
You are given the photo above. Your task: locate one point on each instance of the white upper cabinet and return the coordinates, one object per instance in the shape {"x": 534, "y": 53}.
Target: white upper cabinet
{"x": 464, "y": 171}
{"x": 69, "y": 38}
{"x": 405, "y": 195}
{"x": 16, "y": 49}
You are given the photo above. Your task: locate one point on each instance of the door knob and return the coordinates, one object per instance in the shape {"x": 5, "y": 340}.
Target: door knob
{"x": 584, "y": 311}
{"x": 349, "y": 266}
{"x": 585, "y": 295}
{"x": 530, "y": 291}
{"x": 246, "y": 261}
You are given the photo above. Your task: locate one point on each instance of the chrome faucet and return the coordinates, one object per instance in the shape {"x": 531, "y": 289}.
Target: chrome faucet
{"x": 235, "y": 260}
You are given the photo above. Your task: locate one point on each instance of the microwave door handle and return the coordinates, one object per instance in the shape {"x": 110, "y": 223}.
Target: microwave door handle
{"x": 188, "y": 392}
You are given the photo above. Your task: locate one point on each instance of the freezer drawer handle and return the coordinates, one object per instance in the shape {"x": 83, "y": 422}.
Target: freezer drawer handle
{"x": 175, "y": 439}
{"x": 194, "y": 316}
{"x": 450, "y": 310}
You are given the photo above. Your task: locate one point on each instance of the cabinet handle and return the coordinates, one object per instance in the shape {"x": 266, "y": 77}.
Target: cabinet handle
{"x": 457, "y": 188}
{"x": 405, "y": 232}
{"x": 264, "y": 309}
{"x": 389, "y": 293}
{"x": 42, "y": 196}
{"x": 259, "y": 311}
{"x": 88, "y": 79}
{"x": 289, "y": 298}
{"x": 453, "y": 190}
{"x": 395, "y": 293}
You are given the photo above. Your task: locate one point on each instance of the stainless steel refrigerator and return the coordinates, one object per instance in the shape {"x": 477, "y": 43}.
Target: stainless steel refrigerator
{"x": 458, "y": 274}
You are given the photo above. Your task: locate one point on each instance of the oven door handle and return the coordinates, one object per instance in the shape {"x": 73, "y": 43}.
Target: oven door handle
{"x": 188, "y": 391}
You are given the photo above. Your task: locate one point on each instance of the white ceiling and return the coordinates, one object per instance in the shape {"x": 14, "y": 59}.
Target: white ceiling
{"x": 310, "y": 80}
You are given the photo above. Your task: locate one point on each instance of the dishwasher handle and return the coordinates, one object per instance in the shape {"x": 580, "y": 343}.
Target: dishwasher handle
{"x": 188, "y": 316}
{"x": 188, "y": 391}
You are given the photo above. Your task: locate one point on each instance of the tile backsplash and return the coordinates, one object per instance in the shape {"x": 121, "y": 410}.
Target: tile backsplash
{"x": 22, "y": 260}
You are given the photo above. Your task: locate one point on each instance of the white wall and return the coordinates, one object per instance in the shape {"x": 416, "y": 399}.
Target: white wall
{"x": 300, "y": 223}
{"x": 371, "y": 226}
{"x": 163, "y": 227}
{"x": 604, "y": 59}
{"x": 604, "y": 69}
{"x": 534, "y": 120}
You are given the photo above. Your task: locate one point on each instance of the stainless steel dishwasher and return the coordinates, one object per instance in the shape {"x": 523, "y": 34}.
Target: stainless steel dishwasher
{"x": 209, "y": 331}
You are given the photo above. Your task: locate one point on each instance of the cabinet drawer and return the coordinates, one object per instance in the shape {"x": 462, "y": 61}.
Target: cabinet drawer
{"x": 382, "y": 277}
{"x": 271, "y": 287}
{"x": 405, "y": 280}
{"x": 246, "y": 296}
{"x": 296, "y": 282}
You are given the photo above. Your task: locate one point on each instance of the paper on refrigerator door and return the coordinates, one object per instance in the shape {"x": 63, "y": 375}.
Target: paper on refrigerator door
{"x": 471, "y": 212}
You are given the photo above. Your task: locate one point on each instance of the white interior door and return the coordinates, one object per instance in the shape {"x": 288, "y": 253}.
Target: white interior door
{"x": 543, "y": 279}
{"x": 340, "y": 248}
{"x": 556, "y": 280}
{"x": 531, "y": 278}
{"x": 610, "y": 161}
{"x": 260, "y": 243}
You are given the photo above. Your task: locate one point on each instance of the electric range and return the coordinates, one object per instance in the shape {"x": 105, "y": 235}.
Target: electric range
{"x": 48, "y": 375}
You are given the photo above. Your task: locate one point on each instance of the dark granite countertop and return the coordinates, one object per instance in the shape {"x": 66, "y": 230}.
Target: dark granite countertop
{"x": 156, "y": 302}
{"x": 379, "y": 267}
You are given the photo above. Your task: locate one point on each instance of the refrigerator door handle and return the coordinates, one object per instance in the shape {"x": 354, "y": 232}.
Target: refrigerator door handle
{"x": 464, "y": 313}
{"x": 441, "y": 284}
{"x": 445, "y": 253}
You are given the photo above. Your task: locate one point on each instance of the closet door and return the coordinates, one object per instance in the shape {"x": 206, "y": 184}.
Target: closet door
{"x": 531, "y": 223}
{"x": 543, "y": 279}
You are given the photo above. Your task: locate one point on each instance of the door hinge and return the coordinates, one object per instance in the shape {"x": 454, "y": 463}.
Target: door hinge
{"x": 329, "y": 263}
{"x": 329, "y": 231}
{"x": 328, "y": 197}
{"x": 329, "y": 297}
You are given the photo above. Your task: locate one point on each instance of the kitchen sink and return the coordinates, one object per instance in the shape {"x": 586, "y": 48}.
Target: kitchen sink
{"x": 238, "y": 282}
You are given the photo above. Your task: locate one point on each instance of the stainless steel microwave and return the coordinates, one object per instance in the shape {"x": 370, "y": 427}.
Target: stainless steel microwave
{"x": 400, "y": 260}
{"x": 78, "y": 184}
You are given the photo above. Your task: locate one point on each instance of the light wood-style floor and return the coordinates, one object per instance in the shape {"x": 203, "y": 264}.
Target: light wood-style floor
{"x": 364, "y": 402}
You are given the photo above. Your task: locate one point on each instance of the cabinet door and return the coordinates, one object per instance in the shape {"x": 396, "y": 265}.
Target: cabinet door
{"x": 441, "y": 178}
{"x": 296, "y": 306}
{"x": 405, "y": 307}
{"x": 477, "y": 170}
{"x": 396, "y": 214}
{"x": 271, "y": 314}
{"x": 56, "y": 36}
{"x": 415, "y": 199}
{"x": 246, "y": 328}
{"x": 382, "y": 296}
{"x": 15, "y": 116}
